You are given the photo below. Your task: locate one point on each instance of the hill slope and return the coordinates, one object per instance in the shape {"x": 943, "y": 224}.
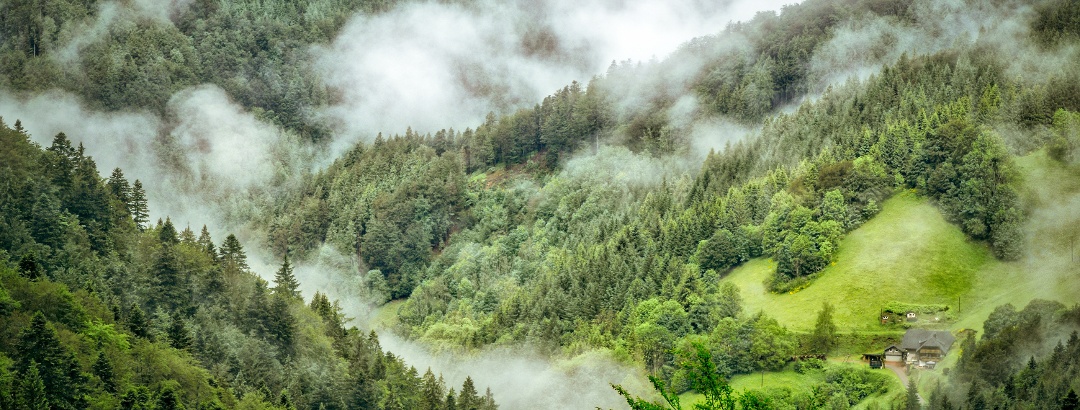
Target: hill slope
{"x": 909, "y": 253}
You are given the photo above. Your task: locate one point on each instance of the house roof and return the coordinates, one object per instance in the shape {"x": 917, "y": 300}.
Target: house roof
{"x": 916, "y": 339}
{"x": 894, "y": 347}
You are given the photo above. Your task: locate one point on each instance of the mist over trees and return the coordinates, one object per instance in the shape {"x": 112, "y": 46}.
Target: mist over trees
{"x": 572, "y": 224}
{"x": 100, "y": 311}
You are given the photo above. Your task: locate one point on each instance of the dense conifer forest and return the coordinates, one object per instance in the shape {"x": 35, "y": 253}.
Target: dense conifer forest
{"x": 617, "y": 217}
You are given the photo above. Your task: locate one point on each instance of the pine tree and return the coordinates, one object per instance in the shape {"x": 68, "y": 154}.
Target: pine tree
{"x": 137, "y": 322}
{"x": 451, "y": 402}
{"x": 206, "y": 243}
{"x": 912, "y": 395}
{"x": 104, "y": 371}
{"x": 489, "y": 401}
{"x": 39, "y": 344}
{"x": 171, "y": 290}
{"x": 1070, "y": 401}
{"x": 232, "y": 254}
{"x": 31, "y": 394}
{"x": 168, "y": 400}
{"x": 137, "y": 207}
{"x": 187, "y": 236}
{"x": 167, "y": 234}
{"x": 281, "y": 324}
{"x": 179, "y": 337}
{"x": 285, "y": 281}
{"x": 431, "y": 395}
{"x": 120, "y": 187}
{"x": 468, "y": 399}
{"x": 28, "y": 267}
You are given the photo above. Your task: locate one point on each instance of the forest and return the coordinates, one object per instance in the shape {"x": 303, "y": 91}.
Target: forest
{"x": 602, "y": 219}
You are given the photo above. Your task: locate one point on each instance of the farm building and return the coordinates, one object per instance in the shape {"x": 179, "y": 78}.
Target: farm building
{"x": 923, "y": 345}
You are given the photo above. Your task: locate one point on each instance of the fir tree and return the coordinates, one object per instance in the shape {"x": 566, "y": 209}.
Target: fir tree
{"x": 28, "y": 266}
{"x": 232, "y": 254}
{"x": 1070, "y": 401}
{"x": 104, "y": 371}
{"x": 120, "y": 188}
{"x": 63, "y": 380}
{"x": 468, "y": 399}
{"x": 206, "y": 243}
{"x": 285, "y": 281}
{"x": 31, "y": 394}
{"x": 179, "y": 337}
{"x": 167, "y": 234}
{"x": 137, "y": 322}
{"x": 140, "y": 212}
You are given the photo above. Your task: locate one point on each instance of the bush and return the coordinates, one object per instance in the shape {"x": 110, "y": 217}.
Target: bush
{"x": 809, "y": 365}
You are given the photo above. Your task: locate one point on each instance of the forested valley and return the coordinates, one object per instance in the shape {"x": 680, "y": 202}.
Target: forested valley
{"x": 669, "y": 216}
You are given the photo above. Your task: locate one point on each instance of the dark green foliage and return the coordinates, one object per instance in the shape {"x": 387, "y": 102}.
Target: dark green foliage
{"x": 912, "y": 398}
{"x": 28, "y": 266}
{"x": 210, "y": 311}
{"x": 137, "y": 206}
{"x": 137, "y": 322}
{"x": 232, "y": 255}
{"x": 723, "y": 250}
{"x": 285, "y": 282}
{"x": 30, "y": 393}
{"x": 38, "y": 346}
{"x": 823, "y": 339}
{"x": 179, "y": 336}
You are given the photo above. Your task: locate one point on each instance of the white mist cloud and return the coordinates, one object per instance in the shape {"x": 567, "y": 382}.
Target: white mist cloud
{"x": 435, "y": 65}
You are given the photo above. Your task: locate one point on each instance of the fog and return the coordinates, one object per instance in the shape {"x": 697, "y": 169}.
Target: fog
{"x": 426, "y": 65}
{"x": 436, "y": 65}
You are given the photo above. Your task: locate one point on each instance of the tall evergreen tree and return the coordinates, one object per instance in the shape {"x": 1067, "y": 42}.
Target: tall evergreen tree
{"x": 39, "y": 344}
{"x": 824, "y": 337}
{"x": 179, "y": 337}
{"x": 30, "y": 394}
{"x": 232, "y": 254}
{"x": 137, "y": 207}
{"x": 167, "y": 235}
{"x": 104, "y": 371}
{"x": 120, "y": 187}
{"x": 137, "y": 322}
{"x": 469, "y": 398}
{"x": 285, "y": 281}
{"x": 206, "y": 243}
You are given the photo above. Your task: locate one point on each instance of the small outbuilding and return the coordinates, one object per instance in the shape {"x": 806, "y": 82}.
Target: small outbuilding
{"x": 894, "y": 354}
{"x": 911, "y": 317}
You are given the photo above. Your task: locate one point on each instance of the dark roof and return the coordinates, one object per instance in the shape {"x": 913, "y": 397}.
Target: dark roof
{"x": 894, "y": 347}
{"x": 916, "y": 339}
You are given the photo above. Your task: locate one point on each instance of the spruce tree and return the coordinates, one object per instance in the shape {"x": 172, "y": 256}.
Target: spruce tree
{"x": 167, "y": 235}
{"x": 468, "y": 399}
{"x": 30, "y": 394}
{"x": 140, "y": 212}
{"x": 104, "y": 371}
{"x": 168, "y": 400}
{"x": 232, "y": 254}
{"x": 912, "y": 396}
{"x": 137, "y": 322}
{"x": 29, "y": 267}
{"x": 120, "y": 187}
{"x": 206, "y": 243}
{"x": 38, "y": 344}
{"x": 1070, "y": 401}
{"x": 286, "y": 281}
{"x": 179, "y": 337}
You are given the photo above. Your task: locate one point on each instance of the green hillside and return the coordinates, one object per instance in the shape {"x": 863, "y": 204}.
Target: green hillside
{"x": 909, "y": 253}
